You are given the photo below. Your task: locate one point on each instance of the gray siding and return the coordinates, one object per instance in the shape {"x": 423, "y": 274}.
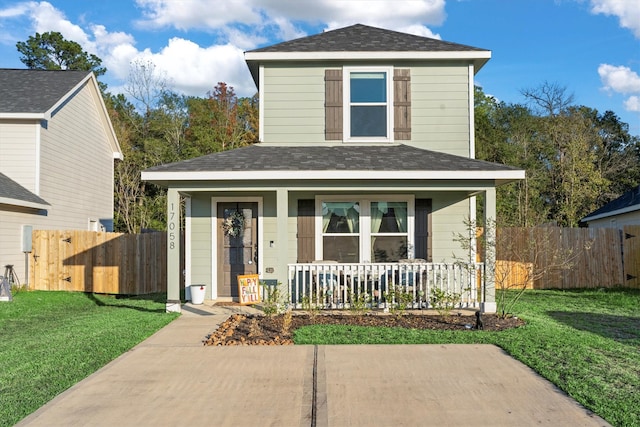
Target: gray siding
{"x": 75, "y": 171}
{"x": 76, "y": 168}
{"x": 18, "y": 151}
{"x": 617, "y": 221}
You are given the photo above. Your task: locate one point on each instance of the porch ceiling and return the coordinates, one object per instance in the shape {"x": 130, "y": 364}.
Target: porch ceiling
{"x": 332, "y": 162}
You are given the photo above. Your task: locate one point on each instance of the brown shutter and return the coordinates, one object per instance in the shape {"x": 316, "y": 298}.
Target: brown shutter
{"x": 401, "y": 104}
{"x": 333, "y": 105}
{"x": 306, "y": 230}
{"x": 423, "y": 230}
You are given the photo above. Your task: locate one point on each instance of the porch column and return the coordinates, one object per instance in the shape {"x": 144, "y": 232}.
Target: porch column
{"x": 282, "y": 237}
{"x": 173, "y": 250}
{"x": 489, "y": 305}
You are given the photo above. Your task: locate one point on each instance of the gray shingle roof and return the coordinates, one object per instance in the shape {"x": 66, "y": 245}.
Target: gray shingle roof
{"x": 35, "y": 91}
{"x": 260, "y": 157}
{"x": 629, "y": 199}
{"x": 10, "y": 189}
{"x": 363, "y": 38}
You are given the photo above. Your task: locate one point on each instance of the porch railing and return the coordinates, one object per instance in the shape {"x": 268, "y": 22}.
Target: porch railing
{"x": 384, "y": 285}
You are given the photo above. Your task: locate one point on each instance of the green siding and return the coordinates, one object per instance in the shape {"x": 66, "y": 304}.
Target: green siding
{"x": 201, "y": 240}
{"x": 293, "y": 104}
{"x": 440, "y": 108}
{"x": 449, "y": 212}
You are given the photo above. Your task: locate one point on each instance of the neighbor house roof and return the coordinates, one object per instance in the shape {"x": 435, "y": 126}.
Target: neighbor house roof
{"x": 396, "y": 161}
{"x": 362, "y": 42}
{"x": 35, "y": 91}
{"x": 628, "y": 202}
{"x": 12, "y": 193}
{"x": 38, "y": 94}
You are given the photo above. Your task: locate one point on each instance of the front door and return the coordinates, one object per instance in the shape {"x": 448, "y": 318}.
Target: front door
{"x": 237, "y": 245}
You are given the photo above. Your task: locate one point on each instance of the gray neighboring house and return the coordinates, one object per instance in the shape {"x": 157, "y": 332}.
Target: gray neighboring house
{"x": 625, "y": 210}
{"x": 57, "y": 151}
{"x": 364, "y": 171}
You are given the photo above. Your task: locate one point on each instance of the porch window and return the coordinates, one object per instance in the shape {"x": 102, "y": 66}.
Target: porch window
{"x": 341, "y": 231}
{"x": 389, "y": 236}
{"x": 365, "y": 230}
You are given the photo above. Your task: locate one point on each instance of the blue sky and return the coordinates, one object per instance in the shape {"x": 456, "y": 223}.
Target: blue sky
{"x": 590, "y": 46}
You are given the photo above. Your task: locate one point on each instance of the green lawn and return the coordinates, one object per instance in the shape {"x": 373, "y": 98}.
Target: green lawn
{"x": 51, "y": 340}
{"x": 585, "y": 342}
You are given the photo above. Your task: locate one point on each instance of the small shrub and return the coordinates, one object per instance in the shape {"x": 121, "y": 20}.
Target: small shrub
{"x": 444, "y": 301}
{"x": 359, "y": 301}
{"x": 310, "y": 306}
{"x": 398, "y": 300}
{"x": 273, "y": 302}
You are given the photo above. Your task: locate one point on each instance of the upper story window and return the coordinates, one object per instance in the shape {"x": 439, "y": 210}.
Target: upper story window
{"x": 368, "y": 113}
{"x": 367, "y": 104}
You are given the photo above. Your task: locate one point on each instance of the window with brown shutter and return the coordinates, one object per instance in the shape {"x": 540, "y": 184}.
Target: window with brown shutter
{"x": 334, "y": 99}
{"x": 401, "y": 104}
{"x": 333, "y": 105}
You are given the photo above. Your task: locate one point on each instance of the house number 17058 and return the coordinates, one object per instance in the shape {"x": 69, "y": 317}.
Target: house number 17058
{"x": 172, "y": 227}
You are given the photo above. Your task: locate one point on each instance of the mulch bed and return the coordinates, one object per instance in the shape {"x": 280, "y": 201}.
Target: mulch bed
{"x": 243, "y": 329}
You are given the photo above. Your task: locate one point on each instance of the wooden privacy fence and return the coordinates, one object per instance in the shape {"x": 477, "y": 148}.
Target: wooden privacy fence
{"x": 568, "y": 258}
{"x": 87, "y": 261}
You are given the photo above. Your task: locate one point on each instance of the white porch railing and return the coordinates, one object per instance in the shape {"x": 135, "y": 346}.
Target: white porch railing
{"x": 336, "y": 286}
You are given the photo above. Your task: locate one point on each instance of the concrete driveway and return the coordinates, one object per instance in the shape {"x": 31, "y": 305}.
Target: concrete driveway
{"x": 171, "y": 379}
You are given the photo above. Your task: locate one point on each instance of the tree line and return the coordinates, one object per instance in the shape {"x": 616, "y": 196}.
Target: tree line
{"x": 576, "y": 158}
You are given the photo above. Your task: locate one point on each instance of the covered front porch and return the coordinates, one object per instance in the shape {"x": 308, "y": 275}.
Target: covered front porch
{"x": 379, "y": 230}
{"x": 315, "y": 277}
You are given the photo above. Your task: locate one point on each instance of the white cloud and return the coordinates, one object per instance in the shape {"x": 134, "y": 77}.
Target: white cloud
{"x": 15, "y": 10}
{"x": 196, "y": 14}
{"x": 240, "y": 24}
{"x": 619, "y": 79}
{"x": 195, "y": 70}
{"x": 633, "y": 104}
{"x": 283, "y": 14}
{"x": 45, "y": 18}
{"x": 628, "y": 11}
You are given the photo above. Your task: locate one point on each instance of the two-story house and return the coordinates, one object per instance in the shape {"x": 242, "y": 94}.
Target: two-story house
{"x": 365, "y": 170}
{"x": 57, "y": 151}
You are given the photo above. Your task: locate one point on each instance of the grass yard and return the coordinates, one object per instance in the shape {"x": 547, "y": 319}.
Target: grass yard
{"x": 51, "y": 340}
{"x": 586, "y": 342}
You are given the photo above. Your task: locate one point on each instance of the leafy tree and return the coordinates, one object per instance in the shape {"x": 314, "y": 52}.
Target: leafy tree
{"x": 222, "y": 121}
{"x": 51, "y": 51}
{"x": 576, "y": 159}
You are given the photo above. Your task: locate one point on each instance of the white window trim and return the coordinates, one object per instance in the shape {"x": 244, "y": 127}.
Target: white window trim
{"x": 365, "y": 221}
{"x": 346, "y": 102}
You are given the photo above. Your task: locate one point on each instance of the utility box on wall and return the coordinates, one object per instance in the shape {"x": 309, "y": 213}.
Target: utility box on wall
{"x": 27, "y": 230}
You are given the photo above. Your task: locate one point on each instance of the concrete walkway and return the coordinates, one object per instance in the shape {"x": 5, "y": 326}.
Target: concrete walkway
{"x": 171, "y": 379}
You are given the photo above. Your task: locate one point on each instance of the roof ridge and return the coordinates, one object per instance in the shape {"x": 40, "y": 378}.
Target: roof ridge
{"x": 365, "y": 38}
